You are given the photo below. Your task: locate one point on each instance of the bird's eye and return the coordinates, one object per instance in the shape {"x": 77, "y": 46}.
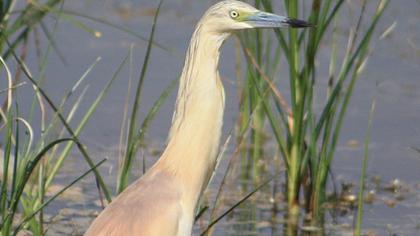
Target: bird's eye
{"x": 234, "y": 14}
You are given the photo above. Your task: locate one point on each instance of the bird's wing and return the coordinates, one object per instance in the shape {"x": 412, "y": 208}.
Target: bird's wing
{"x": 157, "y": 213}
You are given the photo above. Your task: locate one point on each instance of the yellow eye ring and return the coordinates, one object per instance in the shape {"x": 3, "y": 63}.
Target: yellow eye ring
{"x": 234, "y": 14}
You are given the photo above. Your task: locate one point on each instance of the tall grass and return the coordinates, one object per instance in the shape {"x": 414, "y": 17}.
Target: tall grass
{"x": 31, "y": 162}
{"x": 358, "y": 226}
{"x": 306, "y": 136}
{"x": 133, "y": 140}
{"x": 23, "y": 24}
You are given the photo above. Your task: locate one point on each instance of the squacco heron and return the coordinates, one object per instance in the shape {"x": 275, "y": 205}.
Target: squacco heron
{"x": 163, "y": 201}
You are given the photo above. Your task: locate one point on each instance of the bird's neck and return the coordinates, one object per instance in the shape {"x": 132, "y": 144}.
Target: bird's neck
{"x": 196, "y": 126}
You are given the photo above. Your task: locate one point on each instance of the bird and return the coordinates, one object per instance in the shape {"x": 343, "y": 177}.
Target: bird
{"x": 163, "y": 201}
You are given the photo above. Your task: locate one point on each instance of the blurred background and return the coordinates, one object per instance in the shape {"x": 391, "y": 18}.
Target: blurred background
{"x": 391, "y": 78}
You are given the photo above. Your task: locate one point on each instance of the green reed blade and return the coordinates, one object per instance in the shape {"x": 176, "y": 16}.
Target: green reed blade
{"x": 45, "y": 204}
{"x": 130, "y": 148}
{"x": 358, "y": 227}
{"x": 63, "y": 121}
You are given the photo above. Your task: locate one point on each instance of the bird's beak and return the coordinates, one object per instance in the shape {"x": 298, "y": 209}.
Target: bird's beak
{"x": 268, "y": 20}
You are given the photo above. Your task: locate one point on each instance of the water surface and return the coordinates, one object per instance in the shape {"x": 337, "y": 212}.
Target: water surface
{"x": 392, "y": 78}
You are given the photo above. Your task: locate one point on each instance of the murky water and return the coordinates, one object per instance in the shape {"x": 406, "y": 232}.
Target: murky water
{"x": 392, "y": 78}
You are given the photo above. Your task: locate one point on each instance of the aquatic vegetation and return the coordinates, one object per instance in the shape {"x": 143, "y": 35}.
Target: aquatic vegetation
{"x": 306, "y": 136}
{"x": 304, "y": 125}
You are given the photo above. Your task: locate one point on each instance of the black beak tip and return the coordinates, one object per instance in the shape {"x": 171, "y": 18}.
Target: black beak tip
{"x": 295, "y": 23}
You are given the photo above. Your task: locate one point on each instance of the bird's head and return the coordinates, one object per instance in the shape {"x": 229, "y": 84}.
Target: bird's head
{"x": 231, "y": 15}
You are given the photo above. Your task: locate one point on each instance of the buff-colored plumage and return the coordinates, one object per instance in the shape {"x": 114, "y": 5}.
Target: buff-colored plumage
{"x": 163, "y": 201}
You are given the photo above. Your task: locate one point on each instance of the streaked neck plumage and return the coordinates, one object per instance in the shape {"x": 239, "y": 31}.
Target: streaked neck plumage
{"x": 196, "y": 126}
